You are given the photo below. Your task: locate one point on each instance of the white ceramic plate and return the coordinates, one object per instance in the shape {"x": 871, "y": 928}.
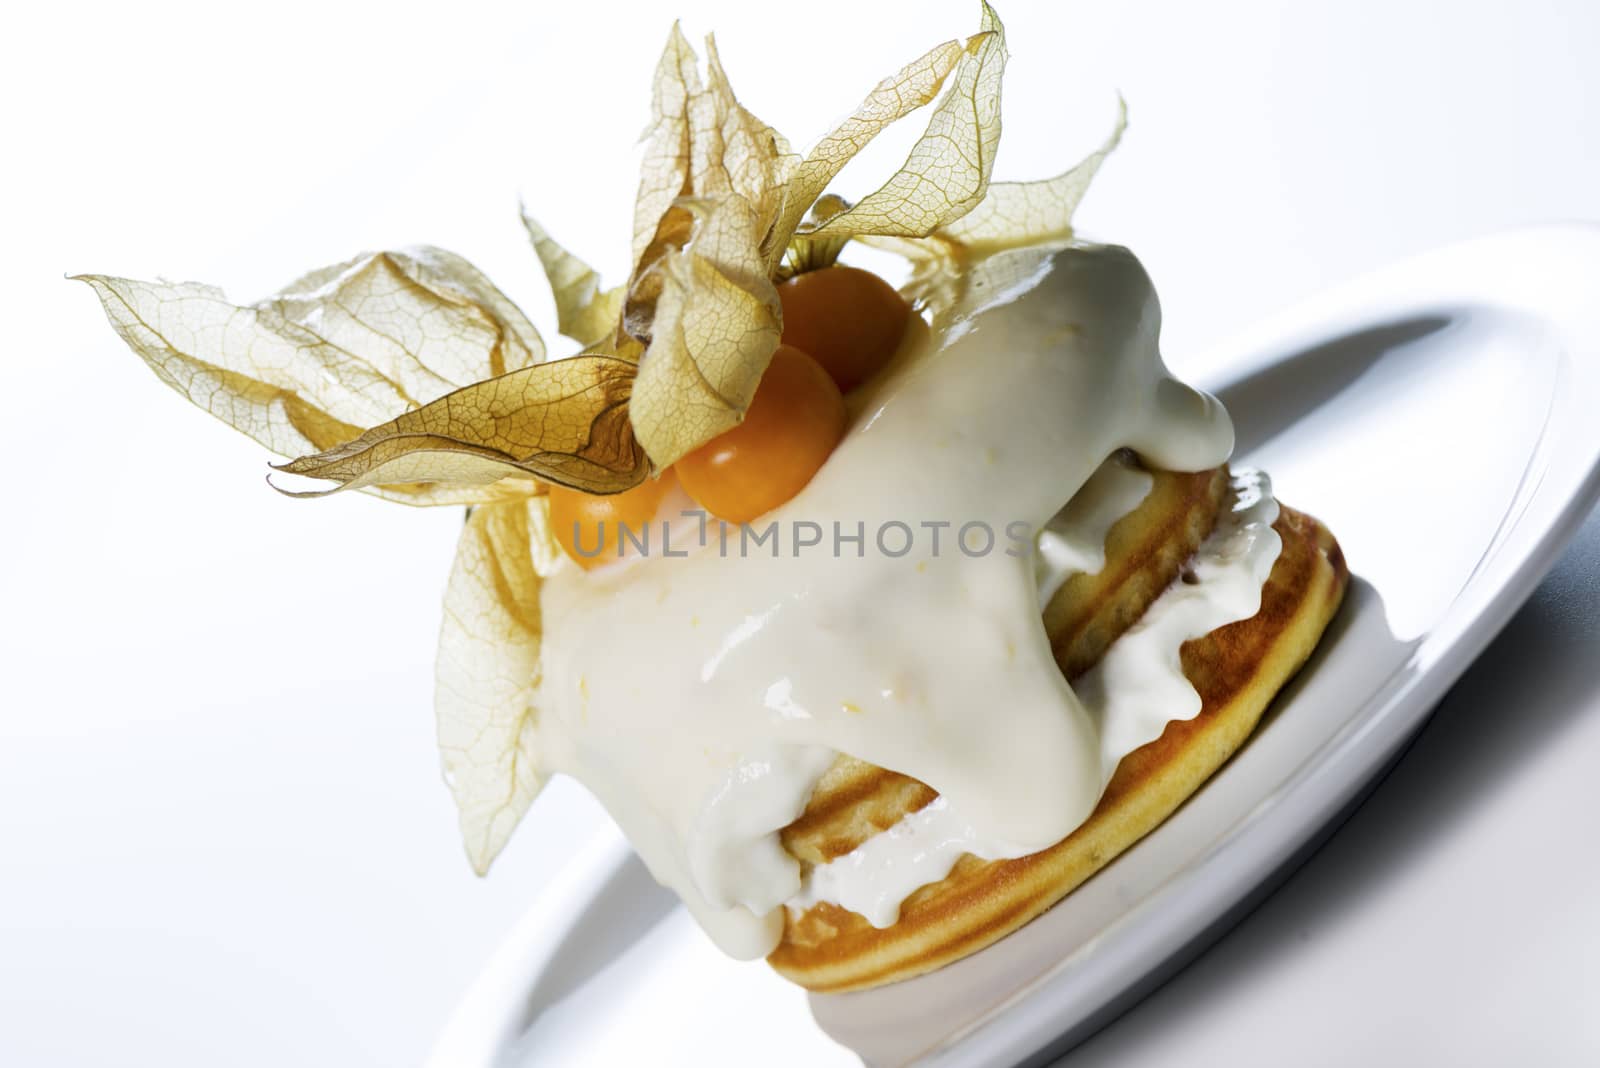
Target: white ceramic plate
{"x": 1443, "y": 418}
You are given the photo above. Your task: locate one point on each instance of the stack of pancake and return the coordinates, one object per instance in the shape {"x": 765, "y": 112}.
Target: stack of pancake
{"x": 1236, "y": 670}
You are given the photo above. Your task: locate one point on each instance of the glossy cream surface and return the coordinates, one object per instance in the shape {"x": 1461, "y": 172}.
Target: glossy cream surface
{"x": 1074, "y": 540}
{"x": 701, "y": 696}
{"x": 1131, "y": 695}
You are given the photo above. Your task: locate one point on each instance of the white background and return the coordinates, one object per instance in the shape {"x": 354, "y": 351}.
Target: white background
{"x": 222, "y": 835}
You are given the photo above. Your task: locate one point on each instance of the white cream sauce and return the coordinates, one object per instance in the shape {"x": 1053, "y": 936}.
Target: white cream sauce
{"x": 701, "y": 697}
{"x": 1130, "y": 696}
{"x": 1074, "y": 540}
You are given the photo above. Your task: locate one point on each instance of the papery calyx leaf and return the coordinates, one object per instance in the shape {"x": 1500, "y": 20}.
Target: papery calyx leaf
{"x": 947, "y": 172}
{"x": 733, "y": 151}
{"x": 913, "y": 86}
{"x": 564, "y": 422}
{"x": 664, "y": 171}
{"x": 487, "y": 676}
{"x": 340, "y": 349}
{"x": 739, "y": 197}
{"x": 1012, "y": 215}
{"x": 584, "y": 312}
{"x": 716, "y": 327}
{"x": 701, "y": 296}
{"x": 1020, "y": 213}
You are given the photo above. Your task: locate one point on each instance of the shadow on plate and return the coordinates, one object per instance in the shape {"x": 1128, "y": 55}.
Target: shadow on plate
{"x": 632, "y": 903}
{"x": 1269, "y": 402}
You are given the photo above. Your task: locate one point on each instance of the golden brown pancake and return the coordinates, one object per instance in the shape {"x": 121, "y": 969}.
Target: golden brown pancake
{"x": 1236, "y": 669}
{"x": 1144, "y": 552}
